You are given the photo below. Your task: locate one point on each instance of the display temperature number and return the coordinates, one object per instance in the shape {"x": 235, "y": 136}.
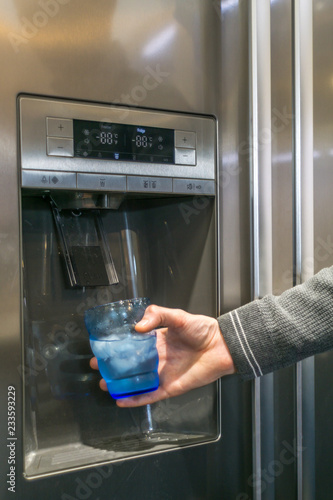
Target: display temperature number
{"x": 106, "y": 138}
{"x": 143, "y": 141}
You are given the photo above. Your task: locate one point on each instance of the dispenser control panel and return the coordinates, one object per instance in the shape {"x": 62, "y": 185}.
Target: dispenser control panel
{"x": 119, "y": 142}
{"x": 72, "y": 145}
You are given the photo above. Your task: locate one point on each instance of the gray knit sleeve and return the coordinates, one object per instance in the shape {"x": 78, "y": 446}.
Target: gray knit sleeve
{"x": 274, "y": 332}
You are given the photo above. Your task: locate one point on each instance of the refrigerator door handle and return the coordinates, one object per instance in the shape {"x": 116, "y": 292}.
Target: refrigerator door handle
{"x": 261, "y": 211}
{"x": 303, "y": 217}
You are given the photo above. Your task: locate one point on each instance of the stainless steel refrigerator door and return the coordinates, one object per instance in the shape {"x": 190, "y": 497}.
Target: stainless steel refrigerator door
{"x": 286, "y": 423}
{"x": 301, "y": 150}
{"x": 323, "y": 213}
{"x": 159, "y": 55}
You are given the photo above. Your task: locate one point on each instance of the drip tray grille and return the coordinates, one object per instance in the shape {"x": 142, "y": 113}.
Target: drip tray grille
{"x": 141, "y": 442}
{"x": 50, "y": 461}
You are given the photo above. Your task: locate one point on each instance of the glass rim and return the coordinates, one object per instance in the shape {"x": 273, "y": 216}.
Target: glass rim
{"x": 120, "y": 303}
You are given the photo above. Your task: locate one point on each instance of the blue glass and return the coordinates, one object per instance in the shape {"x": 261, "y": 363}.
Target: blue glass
{"x": 127, "y": 360}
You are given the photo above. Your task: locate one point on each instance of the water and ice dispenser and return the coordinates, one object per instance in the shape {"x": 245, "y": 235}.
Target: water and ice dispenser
{"x": 116, "y": 203}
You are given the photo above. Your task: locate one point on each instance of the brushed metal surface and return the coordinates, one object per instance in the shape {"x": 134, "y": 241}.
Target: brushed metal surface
{"x": 44, "y": 179}
{"x": 59, "y": 146}
{"x": 281, "y": 142}
{"x": 282, "y": 215}
{"x": 184, "y": 139}
{"x": 186, "y": 57}
{"x": 105, "y": 182}
{"x": 59, "y": 127}
{"x": 233, "y": 182}
{"x": 188, "y": 186}
{"x": 323, "y": 231}
{"x": 141, "y": 184}
{"x": 151, "y": 57}
{"x": 261, "y": 208}
{"x": 303, "y": 232}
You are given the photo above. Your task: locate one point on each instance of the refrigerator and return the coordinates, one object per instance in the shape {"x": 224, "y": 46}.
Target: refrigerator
{"x": 252, "y": 80}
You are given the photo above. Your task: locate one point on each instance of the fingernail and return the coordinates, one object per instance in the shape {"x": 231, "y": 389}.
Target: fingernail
{"x": 143, "y": 322}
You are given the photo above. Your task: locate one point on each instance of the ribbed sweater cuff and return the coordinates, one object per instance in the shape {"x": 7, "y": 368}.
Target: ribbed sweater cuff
{"x": 248, "y": 341}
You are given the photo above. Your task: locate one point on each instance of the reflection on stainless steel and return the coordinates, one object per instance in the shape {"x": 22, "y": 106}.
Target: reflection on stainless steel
{"x": 172, "y": 58}
{"x": 78, "y": 200}
{"x": 322, "y": 144}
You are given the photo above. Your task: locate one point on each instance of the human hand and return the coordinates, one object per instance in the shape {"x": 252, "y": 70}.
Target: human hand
{"x": 192, "y": 353}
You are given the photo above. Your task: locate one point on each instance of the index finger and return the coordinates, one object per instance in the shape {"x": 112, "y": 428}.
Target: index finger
{"x": 93, "y": 363}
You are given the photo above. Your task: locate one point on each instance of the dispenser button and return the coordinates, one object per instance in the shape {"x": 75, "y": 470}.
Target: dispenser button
{"x": 185, "y": 156}
{"x": 184, "y": 139}
{"x": 59, "y": 127}
{"x": 100, "y": 182}
{"x": 48, "y": 180}
{"x": 58, "y": 146}
{"x": 193, "y": 186}
{"x": 149, "y": 184}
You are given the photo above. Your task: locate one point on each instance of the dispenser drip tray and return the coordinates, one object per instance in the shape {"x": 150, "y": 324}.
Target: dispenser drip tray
{"x": 146, "y": 441}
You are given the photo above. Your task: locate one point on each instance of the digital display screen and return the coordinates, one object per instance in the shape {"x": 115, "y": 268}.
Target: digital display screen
{"x": 119, "y": 142}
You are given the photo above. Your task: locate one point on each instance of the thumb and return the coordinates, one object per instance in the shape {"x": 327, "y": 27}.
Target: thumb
{"x": 156, "y": 317}
{"x": 150, "y": 321}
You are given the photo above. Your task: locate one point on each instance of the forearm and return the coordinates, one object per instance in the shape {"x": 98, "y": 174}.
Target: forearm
{"x": 273, "y": 332}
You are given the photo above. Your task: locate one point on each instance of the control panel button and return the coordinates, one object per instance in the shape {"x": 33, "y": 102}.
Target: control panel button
{"x": 48, "y": 180}
{"x": 59, "y": 127}
{"x": 185, "y": 156}
{"x": 149, "y": 184}
{"x": 184, "y": 139}
{"x": 57, "y": 146}
{"x": 193, "y": 186}
{"x": 100, "y": 182}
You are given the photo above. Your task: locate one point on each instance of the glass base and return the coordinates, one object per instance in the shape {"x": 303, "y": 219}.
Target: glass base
{"x": 132, "y": 386}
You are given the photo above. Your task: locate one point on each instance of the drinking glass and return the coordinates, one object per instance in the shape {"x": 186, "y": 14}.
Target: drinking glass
{"x": 127, "y": 360}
